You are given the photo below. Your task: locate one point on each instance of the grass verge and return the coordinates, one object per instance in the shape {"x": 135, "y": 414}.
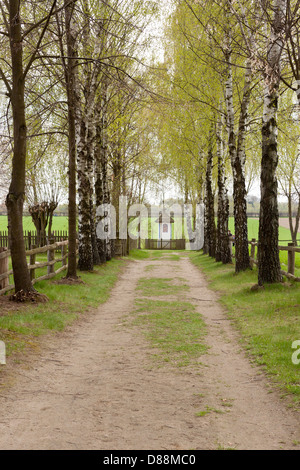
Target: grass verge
{"x": 267, "y": 319}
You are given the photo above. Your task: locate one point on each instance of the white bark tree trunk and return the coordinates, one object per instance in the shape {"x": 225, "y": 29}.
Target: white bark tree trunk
{"x": 210, "y": 227}
{"x": 236, "y": 144}
{"x": 88, "y": 251}
{"x": 223, "y": 253}
{"x": 268, "y": 252}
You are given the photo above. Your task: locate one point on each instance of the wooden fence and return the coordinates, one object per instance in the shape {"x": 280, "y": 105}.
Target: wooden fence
{"x": 51, "y": 250}
{"x": 165, "y": 244}
{"x": 31, "y": 238}
{"x": 62, "y": 246}
{"x": 123, "y": 247}
{"x": 291, "y": 249}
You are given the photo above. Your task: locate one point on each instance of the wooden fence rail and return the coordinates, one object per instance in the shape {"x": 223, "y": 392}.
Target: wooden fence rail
{"x": 31, "y": 238}
{"x": 33, "y": 265}
{"x": 291, "y": 249}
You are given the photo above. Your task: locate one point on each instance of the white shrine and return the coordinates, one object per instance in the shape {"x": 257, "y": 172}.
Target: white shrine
{"x": 165, "y": 226}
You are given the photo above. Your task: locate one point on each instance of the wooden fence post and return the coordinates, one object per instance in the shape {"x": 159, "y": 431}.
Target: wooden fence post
{"x": 50, "y": 257}
{"x": 63, "y": 255}
{"x": 291, "y": 260}
{"x": 252, "y": 255}
{"x": 32, "y": 260}
{"x": 4, "y": 269}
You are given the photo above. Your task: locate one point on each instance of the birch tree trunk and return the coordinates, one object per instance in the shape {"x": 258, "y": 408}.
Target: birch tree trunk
{"x": 240, "y": 192}
{"x": 100, "y": 174}
{"x": 237, "y": 157}
{"x": 70, "y": 78}
{"x": 206, "y": 232}
{"x": 236, "y": 146}
{"x": 86, "y": 98}
{"x": 116, "y": 193}
{"x": 85, "y": 260}
{"x": 188, "y": 213}
{"x": 99, "y": 191}
{"x": 118, "y": 168}
{"x": 210, "y": 227}
{"x": 91, "y": 170}
{"x": 101, "y": 183}
{"x": 269, "y": 269}
{"x": 91, "y": 79}
{"x": 223, "y": 253}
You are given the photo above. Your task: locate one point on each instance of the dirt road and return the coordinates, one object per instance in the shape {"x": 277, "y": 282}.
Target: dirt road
{"x": 284, "y": 222}
{"x": 95, "y": 387}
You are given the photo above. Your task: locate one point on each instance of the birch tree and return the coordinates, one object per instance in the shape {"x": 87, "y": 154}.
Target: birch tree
{"x": 70, "y": 64}
{"x": 210, "y": 227}
{"x": 269, "y": 269}
{"x": 223, "y": 253}
{"x": 236, "y": 142}
{"x": 102, "y": 190}
{"x": 216, "y": 55}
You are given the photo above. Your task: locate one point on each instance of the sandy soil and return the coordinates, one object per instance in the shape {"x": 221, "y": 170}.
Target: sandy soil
{"x": 95, "y": 387}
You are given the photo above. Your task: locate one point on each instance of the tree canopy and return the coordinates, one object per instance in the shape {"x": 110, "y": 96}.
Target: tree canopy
{"x": 107, "y": 99}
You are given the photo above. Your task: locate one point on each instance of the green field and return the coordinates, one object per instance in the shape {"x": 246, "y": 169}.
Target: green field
{"x": 59, "y": 223}
{"x": 284, "y": 240}
{"x": 253, "y": 227}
